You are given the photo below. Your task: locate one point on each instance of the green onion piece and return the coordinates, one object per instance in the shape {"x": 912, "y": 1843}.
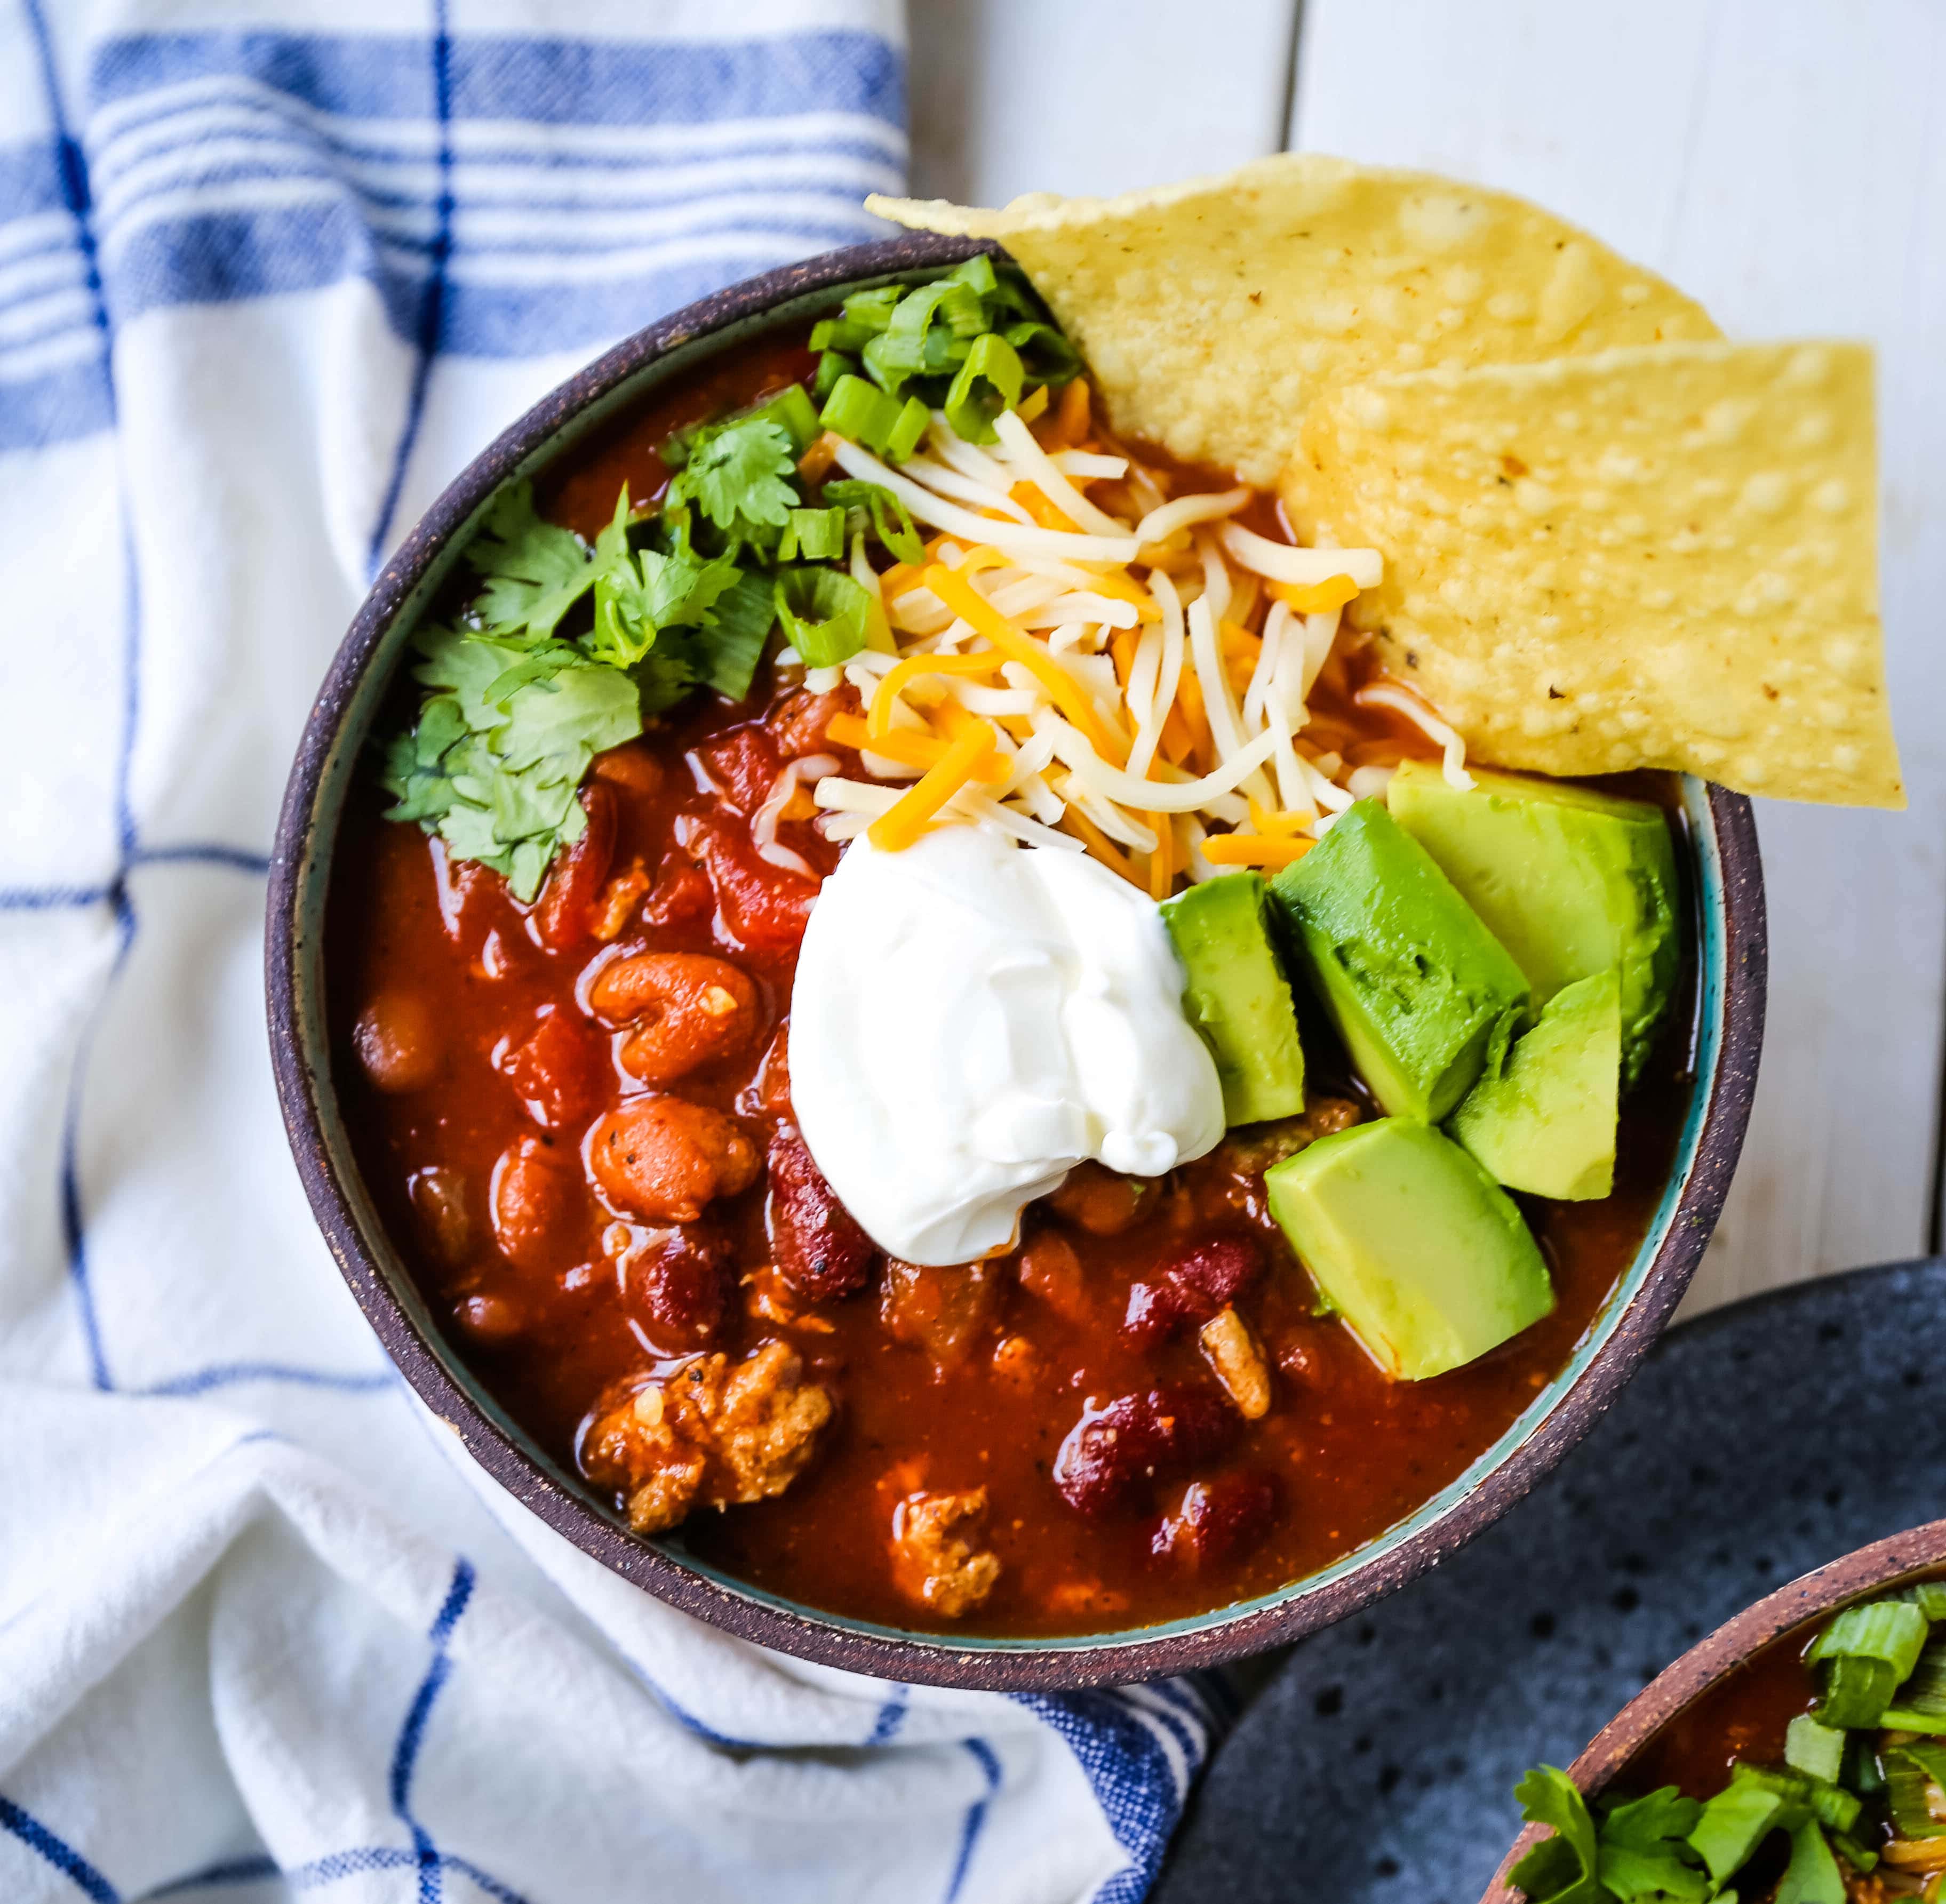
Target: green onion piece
{"x": 989, "y": 382}
{"x": 1913, "y": 1772}
{"x": 813, "y": 535}
{"x": 824, "y": 613}
{"x": 1863, "y": 1773}
{"x": 857, "y": 412}
{"x": 833, "y": 365}
{"x": 842, "y": 334}
{"x": 1817, "y": 1749}
{"x": 1011, "y": 297}
{"x": 892, "y": 522}
{"x": 976, "y": 274}
{"x": 1735, "y": 1823}
{"x": 907, "y": 431}
{"x": 793, "y": 408}
{"x": 885, "y": 364}
{"x": 1929, "y": 1597}
{"x": 872, "y": 311}
{"x": 1049, "y": 357}
{"x": 1854, "y": 1854}
{"x": 1919, "y": 1705}
{"x": 1864, "y": 1656}
{"x": 1826, "y": 1802}
{"x": 1812, "y": 1876}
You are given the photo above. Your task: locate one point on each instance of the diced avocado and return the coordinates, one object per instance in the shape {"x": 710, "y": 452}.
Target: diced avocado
{"x": 1427, "y": 1259}
{"x": 1237, "y": 995}
{"x": 1547, "y": 1124}
{"x": 1423, "y": 995}
{"x": 1569, "y": 880}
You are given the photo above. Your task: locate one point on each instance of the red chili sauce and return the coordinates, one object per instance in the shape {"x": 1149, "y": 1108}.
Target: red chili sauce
{"x": 465, "y": 1005}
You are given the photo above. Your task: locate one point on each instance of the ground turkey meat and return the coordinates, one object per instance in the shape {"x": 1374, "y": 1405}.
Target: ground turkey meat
{"x": 708, "y": 1435}
{"x": 934, "y": 1558}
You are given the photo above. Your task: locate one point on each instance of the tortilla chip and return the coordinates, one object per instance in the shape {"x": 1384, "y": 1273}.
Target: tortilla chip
{"x": 1662, "y": 558}
{"x": 1212, "y": 312}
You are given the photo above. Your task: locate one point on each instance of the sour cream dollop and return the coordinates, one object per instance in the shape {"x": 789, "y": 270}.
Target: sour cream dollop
{"x": 970, "y": 1019}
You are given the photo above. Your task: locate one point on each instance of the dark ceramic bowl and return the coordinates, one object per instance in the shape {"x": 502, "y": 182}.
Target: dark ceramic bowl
{"x": 1724, "y": 875}
{"x": 1884, "y": 1564}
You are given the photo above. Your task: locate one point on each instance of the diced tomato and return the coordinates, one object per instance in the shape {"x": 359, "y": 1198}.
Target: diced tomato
{"x": 564, "y": 914}
{"x": 561, "y": 1071}
{"x": 743, "y": 763}
{"x": 682, "y": 895}
{"x": 764, "y": 908}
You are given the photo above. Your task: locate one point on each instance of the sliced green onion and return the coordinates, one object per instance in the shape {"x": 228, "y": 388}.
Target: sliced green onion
{"x": 812, "y": 536}
{"x": 833, "y": 365}
{"x": 1817, "y": 1749}
{"x": 1863, "y": 1773}
{"x": 1854, "y": 1854}
{"x": 1929, "y": 1597}
{"x": 885, "y": 363}
{"x": 1912, "y": 1772}
{"x": 1864, "y": 1656}
{"x": 792, "y": 408}
{"x": 1919, "y": 1705}
{"x": 907, "y": 431}
{"x": 1804, "y": 1792}
{"x": 872, "y": 309}
{"x": 989, "y": 382}
{"x": 1049, "y": 357}
{"x": 1735, "y": 1822}
{"x": 891, "y": 521}
{"x": 1812, "y": 1876}
{"x": 824, "y": 613}
{"x": 860, "y": 413}
{"x": 976, "y": 274}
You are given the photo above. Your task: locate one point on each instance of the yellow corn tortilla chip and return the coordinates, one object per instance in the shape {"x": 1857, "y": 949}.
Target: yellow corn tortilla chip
{"x": 1663, "y": 557}
{"x": 1212, "y": 312}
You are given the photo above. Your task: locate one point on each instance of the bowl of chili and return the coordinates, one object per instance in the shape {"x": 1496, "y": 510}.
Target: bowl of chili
{"x": 547, "y": 1363}
{"x": 1796, "y": 1746}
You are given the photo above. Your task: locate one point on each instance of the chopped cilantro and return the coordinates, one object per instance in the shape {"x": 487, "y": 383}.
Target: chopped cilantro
{"x": 535, "y": 571}
{"x": 743, "y": 478}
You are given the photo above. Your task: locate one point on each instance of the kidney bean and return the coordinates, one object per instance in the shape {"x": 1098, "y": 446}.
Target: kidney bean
{"x": 815, "y": 1241}
{"x": 681, "y": 1286}
{"x": 763, "y": 907}
{"x": 561, "y": 1071}
{"x": 687, "y": 1009}
{"x": 1217, "y": 1518}
{"x": 664, "y": 1160}
{"x": 398, "y": 1042}
{"x": 532, "y": 1200}
{"x": 1110, "y": 1453}
{"x": 743, "y": 763}
{"x": 1190, "y": 1286}
{"x": 563, "y": 915}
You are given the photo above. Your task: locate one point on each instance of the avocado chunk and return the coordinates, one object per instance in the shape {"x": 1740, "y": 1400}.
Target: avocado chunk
{"x": 1426, "y": 1258}
{"x": 1547, "y": 1124}
{"x": 1423, "y": 995}
{"x": 1571, "y": 881}
{"x": 1237, "y": 995}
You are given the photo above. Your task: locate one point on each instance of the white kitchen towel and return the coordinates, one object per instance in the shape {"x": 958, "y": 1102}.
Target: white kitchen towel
{"x": 270, "y": 271}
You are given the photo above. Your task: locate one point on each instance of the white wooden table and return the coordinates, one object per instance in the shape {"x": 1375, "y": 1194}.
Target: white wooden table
{"x": 1782, "y": 160}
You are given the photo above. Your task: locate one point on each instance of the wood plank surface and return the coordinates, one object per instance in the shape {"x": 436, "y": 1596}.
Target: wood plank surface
{"x": 1785, "y": 161}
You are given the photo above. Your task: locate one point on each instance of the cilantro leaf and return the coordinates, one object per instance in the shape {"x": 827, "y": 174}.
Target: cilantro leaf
{"x": 1642, "y": 1854}
{"x": 742, "y": 476}
{"x": 1562, "y": 1869}
{"x": 536, "y": 571}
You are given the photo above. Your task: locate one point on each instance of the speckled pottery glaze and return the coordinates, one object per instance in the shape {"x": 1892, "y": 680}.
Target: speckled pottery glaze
{"x": 1724, "y": 875}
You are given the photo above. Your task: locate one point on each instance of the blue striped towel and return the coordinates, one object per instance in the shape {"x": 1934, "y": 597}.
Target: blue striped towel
{"x": 269, "y": 274}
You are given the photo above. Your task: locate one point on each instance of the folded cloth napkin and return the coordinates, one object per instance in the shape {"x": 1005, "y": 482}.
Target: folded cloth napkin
{"x": 268, "y": 274}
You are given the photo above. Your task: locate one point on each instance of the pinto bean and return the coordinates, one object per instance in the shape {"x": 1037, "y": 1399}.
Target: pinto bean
{"x": 398, "y": 1043}
{"x": 1110, "y": 1453}
{"x": 533, "y": 1197}
{"x": 665, "y": 1160}
{"x": 1051, "y": 1273}
{"x": 815, "y": 1241}
{"x": 1102, "y": 1202}
{"x": 686, "y": 1009}
{"x": 439, "y": 1202}
{"x": 564, "y": 914}
{"x": 1191, "y": 1286}
{"x": 1216, "y": 1518}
